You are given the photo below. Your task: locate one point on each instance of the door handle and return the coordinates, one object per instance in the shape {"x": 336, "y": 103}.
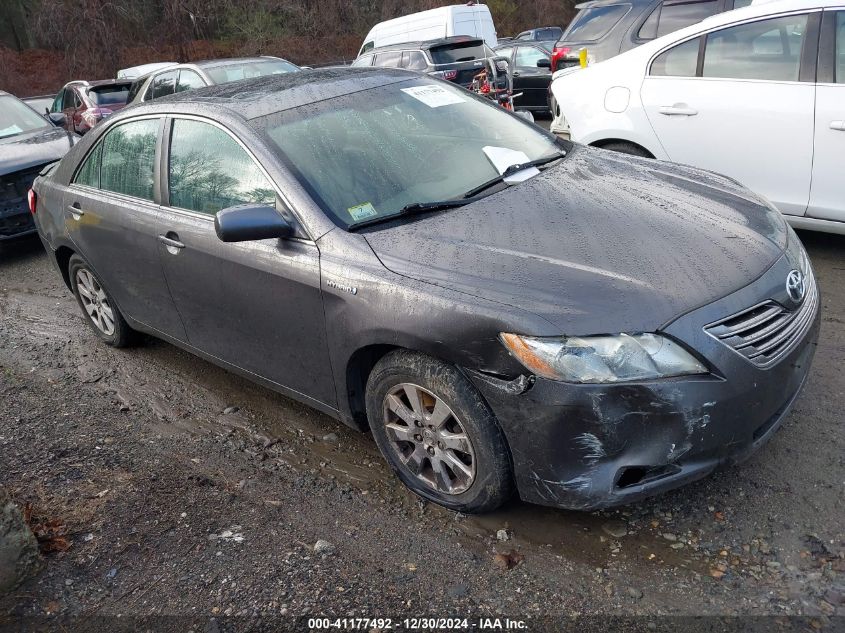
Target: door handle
{"x": 837, "y": 125}
{"x": 679, "y": 109}
{"x": 76, "y": 211}
{"x": 170, "y": 242}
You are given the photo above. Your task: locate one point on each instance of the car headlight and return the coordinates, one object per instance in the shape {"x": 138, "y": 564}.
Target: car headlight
{"x": 603, "y": 359}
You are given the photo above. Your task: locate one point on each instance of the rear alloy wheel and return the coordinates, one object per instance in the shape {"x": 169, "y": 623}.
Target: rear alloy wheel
{"x": 100, "y": 311}
{"x": 437, "y": 433}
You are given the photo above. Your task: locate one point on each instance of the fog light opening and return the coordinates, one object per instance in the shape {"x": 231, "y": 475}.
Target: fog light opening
{"x": 638, "y": 475}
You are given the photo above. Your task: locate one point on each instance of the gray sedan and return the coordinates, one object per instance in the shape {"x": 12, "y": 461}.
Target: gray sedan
{"x": 503, "y": 310}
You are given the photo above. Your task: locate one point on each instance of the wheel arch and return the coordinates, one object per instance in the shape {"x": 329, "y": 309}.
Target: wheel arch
{"x": 358, "y": 369}
{"x": 63, "y": 255}
{"x": 601, "y": 143}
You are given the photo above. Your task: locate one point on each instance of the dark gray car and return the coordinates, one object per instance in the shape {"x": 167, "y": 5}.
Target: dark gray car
{"x": 502, "y": 309}
{"x": 28, "y": 142}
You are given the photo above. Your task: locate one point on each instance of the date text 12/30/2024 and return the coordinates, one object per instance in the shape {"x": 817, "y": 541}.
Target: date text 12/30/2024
{"x": 416, "y": 624}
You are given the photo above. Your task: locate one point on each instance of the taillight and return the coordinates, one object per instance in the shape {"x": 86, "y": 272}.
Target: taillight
{"x": 450, "y": 75}
{"x": 32, "y": 198}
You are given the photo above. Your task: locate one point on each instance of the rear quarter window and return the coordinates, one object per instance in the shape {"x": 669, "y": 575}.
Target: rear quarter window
{"x": 596, "y": 22}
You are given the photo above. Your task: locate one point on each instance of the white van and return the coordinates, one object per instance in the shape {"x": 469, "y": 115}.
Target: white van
{"x": 460, "y": 19}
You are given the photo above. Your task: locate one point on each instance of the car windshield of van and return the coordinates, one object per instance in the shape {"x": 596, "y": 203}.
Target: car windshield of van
{"x": 369, "y": 155}
{"x": 109, "y": 95}
{"x": 18, "y": 118}
{"x": 235, "y": 72}
{"x": 459, "y": 52}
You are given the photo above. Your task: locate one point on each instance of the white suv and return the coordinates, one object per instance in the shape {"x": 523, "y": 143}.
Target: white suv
{"x": 757, "y": 94}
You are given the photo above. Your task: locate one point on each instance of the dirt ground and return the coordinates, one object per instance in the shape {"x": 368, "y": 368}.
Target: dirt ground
{"x": 182, "y": 490}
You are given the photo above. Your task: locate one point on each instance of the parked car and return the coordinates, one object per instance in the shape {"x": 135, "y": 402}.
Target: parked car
{"x": 199, "y": 74}
{"x": 609, "y": 27}
{"x": 28, "y": 142}
{"x": 41, "y": 104}
{"x": 86, "y": 103}
{"x": 472, "y": 20}
{"x": 456, "y": 59}
{"x": 530, "y": 64}
{"x": 543, "y": 34}
{"x": 408, "y": 258}
{"x": 143, "y": 69}
{"x": 757, "y": 94}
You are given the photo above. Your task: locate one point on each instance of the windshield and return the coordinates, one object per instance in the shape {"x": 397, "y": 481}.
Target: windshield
{"x": 17, "y": 118}
{"x": 370, "y": 154}
{"x": 109, "y": 95}
{"x": 235, "y": 72}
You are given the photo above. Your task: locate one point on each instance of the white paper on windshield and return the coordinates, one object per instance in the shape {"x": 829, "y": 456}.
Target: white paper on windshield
{"x": 502, "y": 158}
{"x": 433, "y": 96}
{"x": 12, "y": 129}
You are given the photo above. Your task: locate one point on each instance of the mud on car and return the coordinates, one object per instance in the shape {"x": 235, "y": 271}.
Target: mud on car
{"x": 503, "y": 310}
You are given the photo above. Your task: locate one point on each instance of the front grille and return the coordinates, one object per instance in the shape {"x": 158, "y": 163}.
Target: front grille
{"x": 14, "y": 211}
{"x": 766, "y": 332}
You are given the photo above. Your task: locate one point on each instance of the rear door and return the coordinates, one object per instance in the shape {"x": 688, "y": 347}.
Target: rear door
{"x": 256, "y": 305}
{"x": 827, "y": 193}
{"x": 742, "y": 105}
{"x": 110, "y": 212}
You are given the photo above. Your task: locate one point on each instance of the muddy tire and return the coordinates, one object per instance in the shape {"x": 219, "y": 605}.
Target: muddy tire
{"x": 437, "y": 433}
{"x": 98, "y": 309}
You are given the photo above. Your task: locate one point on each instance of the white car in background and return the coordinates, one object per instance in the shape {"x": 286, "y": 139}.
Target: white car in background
{"x": 757, "y": 94}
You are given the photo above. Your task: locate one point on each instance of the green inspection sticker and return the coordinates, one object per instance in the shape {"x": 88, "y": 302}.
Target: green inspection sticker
{"x": 362, "y": 212}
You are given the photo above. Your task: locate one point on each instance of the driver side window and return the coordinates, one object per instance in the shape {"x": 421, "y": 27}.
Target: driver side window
{"x": 210, "y": 171}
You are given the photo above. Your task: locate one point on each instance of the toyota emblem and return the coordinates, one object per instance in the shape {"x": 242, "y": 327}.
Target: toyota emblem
{"x": 796, "y": 286}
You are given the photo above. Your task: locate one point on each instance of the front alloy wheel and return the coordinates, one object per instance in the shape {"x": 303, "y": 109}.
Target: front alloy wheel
{"x": 437, "y": 433}
{"x": 429, "y": 439}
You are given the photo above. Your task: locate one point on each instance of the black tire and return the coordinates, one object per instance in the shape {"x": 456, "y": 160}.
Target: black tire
{"x": 492, "y": 483}
{"x": 81, "y": 276}
{"x": 627, "y": 148}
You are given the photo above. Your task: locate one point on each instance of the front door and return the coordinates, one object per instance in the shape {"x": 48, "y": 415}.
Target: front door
{"x": 827, "y": 194}
{"x": 256, "y": 305}
{"x": 529, "y": 79}
{"x": 744, "y": 112}
{"x": 110, "y": 212}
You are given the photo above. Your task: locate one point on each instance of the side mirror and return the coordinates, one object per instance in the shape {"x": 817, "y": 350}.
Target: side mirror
{"x": 248, "y": 222}
{"x": 544, "y": 63}
{"x": 58, "y": 118}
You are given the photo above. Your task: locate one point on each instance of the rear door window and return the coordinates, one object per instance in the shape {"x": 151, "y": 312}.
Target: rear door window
{"x": 593, "y": 24}
{"x": 210, "y": 171}
{"x": 678, "y": 61}
{"x": 768, "y": 50}
{"x": 128, "y": 158}
{"x": 89, "y": 173}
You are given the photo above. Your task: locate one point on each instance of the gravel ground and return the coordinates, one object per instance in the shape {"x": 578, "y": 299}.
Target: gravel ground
{"x": 178, "y": 489}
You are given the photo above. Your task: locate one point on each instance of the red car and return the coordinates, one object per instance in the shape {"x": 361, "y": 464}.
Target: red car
{"x": 86, "y": 103}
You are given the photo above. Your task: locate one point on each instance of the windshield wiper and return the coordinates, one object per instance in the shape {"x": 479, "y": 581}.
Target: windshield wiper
{"x": 412, "y": 209}
{"x": 510, "y": 171}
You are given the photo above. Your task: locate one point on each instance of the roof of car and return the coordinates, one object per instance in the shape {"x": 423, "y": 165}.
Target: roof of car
{"x": 259, "y": 96}
{"x": 209, "y": 63}
{"x": 427, "y": 44}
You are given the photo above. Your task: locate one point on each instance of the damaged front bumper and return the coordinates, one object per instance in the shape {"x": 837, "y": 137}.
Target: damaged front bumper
{"x": 589, "y": 446}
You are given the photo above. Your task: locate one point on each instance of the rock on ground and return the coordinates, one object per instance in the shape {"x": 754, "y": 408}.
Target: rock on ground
{"x": 19, "y": 557}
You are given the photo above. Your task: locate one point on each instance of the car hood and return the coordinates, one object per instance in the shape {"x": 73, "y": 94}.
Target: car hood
{"x": 600, "y": 243}
{"x": 34, "y": 148}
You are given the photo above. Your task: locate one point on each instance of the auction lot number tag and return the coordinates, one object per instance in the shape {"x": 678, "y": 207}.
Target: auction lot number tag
{"x": 433, "y": 96}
